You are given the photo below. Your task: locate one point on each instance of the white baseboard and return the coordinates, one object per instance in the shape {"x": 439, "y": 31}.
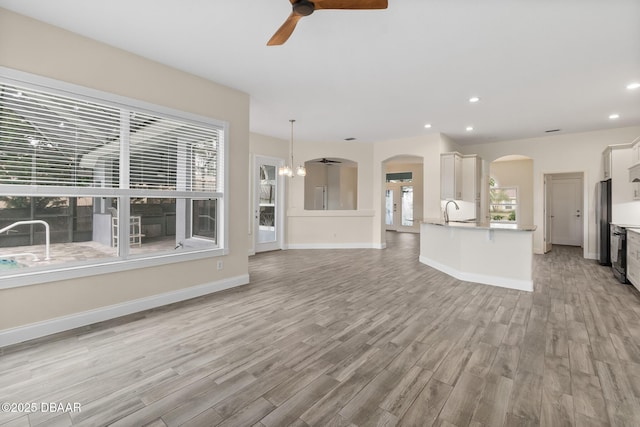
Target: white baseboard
{"x": 592, "y": 255}
{"x": 65, "y": 323}
{"x": 336, "y": 246}
{"x": 503, "y": 282}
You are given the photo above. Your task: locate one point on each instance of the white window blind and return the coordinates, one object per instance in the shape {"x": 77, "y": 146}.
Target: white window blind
{"x": 172, "y": 155}
{"x": 48, "y": 139}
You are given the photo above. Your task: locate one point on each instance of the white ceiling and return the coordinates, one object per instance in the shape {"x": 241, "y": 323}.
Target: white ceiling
{"x": 381, "y": 75}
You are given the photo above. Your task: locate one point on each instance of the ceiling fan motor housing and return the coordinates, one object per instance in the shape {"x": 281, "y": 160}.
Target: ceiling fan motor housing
{"x": 303, "y": 7}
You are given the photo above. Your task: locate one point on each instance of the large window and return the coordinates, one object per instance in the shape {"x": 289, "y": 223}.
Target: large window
{"x": 73, "y": 169}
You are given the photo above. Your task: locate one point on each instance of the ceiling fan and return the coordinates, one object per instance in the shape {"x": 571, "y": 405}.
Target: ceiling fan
{"x": 327, "y": 161}
{"x": 306, "y": 7}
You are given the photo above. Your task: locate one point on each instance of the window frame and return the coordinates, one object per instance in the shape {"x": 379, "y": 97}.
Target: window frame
{"x": 123, "y": 261}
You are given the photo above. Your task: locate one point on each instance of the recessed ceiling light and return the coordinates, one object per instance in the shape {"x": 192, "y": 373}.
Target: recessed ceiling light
{"x": 427, "y": 126}
{"x": 614, "y": 116}
{"x": 634, "y": 85}
{"x": 469, "y": 128}
{"x": 474, "y": 99}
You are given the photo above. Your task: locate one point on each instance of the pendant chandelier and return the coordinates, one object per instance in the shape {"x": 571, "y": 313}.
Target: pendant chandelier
{"x": 287, "y": 170}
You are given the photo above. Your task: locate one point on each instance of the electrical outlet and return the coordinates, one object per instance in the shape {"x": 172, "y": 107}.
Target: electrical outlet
{"x": 220, "y": 265}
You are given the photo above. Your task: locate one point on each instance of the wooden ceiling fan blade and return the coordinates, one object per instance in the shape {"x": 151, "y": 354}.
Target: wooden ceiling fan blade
{"x": 350, "y": 4}
{"x": 285, "y": 30}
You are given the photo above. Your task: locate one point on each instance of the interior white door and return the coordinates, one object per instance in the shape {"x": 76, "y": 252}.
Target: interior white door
{"x": 547, "y": 213}
{"x": 268, "y": 204}
{"x": 566, "y": 211}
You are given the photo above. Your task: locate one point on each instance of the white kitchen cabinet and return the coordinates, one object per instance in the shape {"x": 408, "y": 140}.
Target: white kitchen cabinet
{"x": 471, "y": 177}
{"x": 606, "y": 163}
{"x": 635, "y": 151}
{"x": 634, "y": 178}
{"x": 622, "y": 191}
{"x": 633, "y": 257}
{"x": 634, "y": 170}
{"x": 451, "y": 176}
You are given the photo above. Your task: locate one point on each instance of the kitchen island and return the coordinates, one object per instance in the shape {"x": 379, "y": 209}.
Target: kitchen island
{"x": 489, "y": 253}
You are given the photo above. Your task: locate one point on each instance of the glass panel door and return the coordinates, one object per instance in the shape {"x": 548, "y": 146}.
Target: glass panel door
{"x": 267, "y": 189}
{"x": 389, "y": 207}
{"x": 407, "y": 205}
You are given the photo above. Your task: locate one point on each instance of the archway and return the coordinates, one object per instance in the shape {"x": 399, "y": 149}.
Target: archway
{"x": 403, "y": 193}
{"x": 331, "y": 184}
{"x": 510, "y": 190}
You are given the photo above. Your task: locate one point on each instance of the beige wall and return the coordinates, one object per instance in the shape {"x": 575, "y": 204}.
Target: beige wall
{"x": 577, "y": 152}
{"x": 38, "y": 48}
{"x": 339, "y": 228}
{"x": 517, "y": 173}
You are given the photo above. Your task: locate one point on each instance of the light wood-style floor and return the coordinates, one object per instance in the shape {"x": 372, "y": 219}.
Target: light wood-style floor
{"x": 352, "y": 338}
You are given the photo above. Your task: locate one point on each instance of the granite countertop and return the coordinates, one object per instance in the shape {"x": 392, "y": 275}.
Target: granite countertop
{"x": 626, "y": 225}
{"x": 479, "y": 226}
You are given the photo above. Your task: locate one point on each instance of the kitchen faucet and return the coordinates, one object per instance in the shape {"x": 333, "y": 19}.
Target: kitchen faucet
{"x": 446, "y": 212}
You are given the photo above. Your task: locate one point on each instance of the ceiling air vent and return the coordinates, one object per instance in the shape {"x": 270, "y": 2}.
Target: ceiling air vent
{"x": 552, "y": 130}
{"x": 350, "y": 139}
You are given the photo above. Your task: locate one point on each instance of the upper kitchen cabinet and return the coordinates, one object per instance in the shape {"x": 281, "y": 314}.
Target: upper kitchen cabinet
{"x": 606, "y": 162}
{"x": 471, "y": 177}
{"x": 635, "y": 151}
{"x": 622, "y": 191}
{"x": 634, "y": 170}
{"x": 451, "y": 176}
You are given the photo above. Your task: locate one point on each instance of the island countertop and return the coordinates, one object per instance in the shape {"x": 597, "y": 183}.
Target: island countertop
{"x": 481, "y": 253}
{"x": 479, "y": 226}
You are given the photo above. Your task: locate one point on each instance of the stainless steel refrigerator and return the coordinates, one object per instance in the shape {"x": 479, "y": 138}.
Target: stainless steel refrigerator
{"x": 603, "y": 215}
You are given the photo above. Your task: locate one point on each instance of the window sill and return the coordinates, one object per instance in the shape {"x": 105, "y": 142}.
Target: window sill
{"x": 106, "y": 267}
{"x": 331, "y": 213}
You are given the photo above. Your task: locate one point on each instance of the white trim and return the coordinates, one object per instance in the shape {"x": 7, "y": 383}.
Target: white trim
{"x": 113, "y": 265}
{"x": 586, "y": 199}
{"x": 503, "y": 282}
{"x": 48, "y": 190}
{"x": 65, "y": 323}
{"x": 279, "y": 206}
{"x": 69, "y": 271}
{"x": 297, "y": 212}
{"x": 336, "y": 246}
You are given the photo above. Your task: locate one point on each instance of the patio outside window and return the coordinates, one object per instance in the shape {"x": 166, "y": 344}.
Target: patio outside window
{"x": 503, "y": 203}
{"x": 68, "y": 164}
